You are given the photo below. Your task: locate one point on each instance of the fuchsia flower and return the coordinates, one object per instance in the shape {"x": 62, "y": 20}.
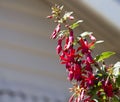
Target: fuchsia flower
{"x": 88, "y": 66}
{"x": 85, "y": 46}
{"x": 71, "y": 17}
{"x": 50, "y": 16}
{"x": 92, "y": 38}
{"x": 70, "y": 40}
{"x": 90, "y": 79}
{"x": 59, "y": 46}
{"x": 66, "y": 43}
{"x": 108, "y": 88}
{"x": 77, "y": 72}
{"x": 70, "y": 74}
{"x": 56, "y": 31}
{"x": 68, "y": 56}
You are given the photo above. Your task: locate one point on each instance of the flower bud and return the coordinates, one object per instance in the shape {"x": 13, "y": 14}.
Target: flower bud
{"x": 55, "y": 32}
{"x": 50, "y": 16}
{"x": 59, "y": 46}
{"x": 71, "y": 17}
{"x": 58, "y": 49}
{"x": 92, "y": 37}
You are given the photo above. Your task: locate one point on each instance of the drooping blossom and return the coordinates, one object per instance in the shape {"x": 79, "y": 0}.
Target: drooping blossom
{"x": 89, "y": 58}
{"x": 55, "y": 32}
{"x": 59, "y": 46}
{"x": 77, "y": 72}
{"x": 108, "y": 88}
{"x": 92, "y": 38}
{"x": 66, "y": 43}
{"x": 71, "y": 17}
{"x": 71, "y": 39}
{"x": 70, "y": 73}
{"x": 90, "y": 79}
{"x": 85, "y": 46}
{"x": 50, "y": 16}
{"x": 69, "y": 56}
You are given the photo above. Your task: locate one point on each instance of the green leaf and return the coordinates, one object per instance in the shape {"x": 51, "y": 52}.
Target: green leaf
{"x": 75, "y": 42}
{"x": 76, "y": 24}
{"x": 97, "y": 42}
{"x": 116, "y": 69}
{"x": 92, "y": 47}
{"x": 104, "y": 97}
{"x": 99, "y": 83}
{"x": 118, "y": 81}
{"x": 93, "y": 92}
{"x": 84, "y": 34}
{"x": 63, "y": 32}
{"x": 104, "y": 55}
{"x": 115, "y": 99}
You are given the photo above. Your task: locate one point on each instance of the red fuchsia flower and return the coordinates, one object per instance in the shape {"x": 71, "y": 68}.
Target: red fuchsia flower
{"x": 89, "y": 100}
{"x": 66, "y": 42}
{"x": 73, "y": 67}
{"x": 70, "y": 74}
{"x": 85, "y": 46}
{"x": 89, "y": 58}
{"x": 59, "y": 46}
{"x": 88, "y": 66}
{"x": 92, "y": 38}
{"x": 77, "y": 72}
{"x": 64, "y": 60}
{"x": 71, "y": 39}
{"x": 90, "y": 79}
{"x": 56, "y": 31}
{"x": 108, "y": 88}
{"x": 68, "y": 56}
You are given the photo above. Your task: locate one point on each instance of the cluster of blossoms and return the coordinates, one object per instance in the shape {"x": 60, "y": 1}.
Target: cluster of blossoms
{"x": 92, "y": 79}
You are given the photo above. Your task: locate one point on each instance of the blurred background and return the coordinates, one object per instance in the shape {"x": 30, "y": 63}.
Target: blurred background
{"x": 29, "y": 67}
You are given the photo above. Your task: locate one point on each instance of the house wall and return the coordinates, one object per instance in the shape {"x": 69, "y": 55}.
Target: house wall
{"x": 29, "y": 68}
